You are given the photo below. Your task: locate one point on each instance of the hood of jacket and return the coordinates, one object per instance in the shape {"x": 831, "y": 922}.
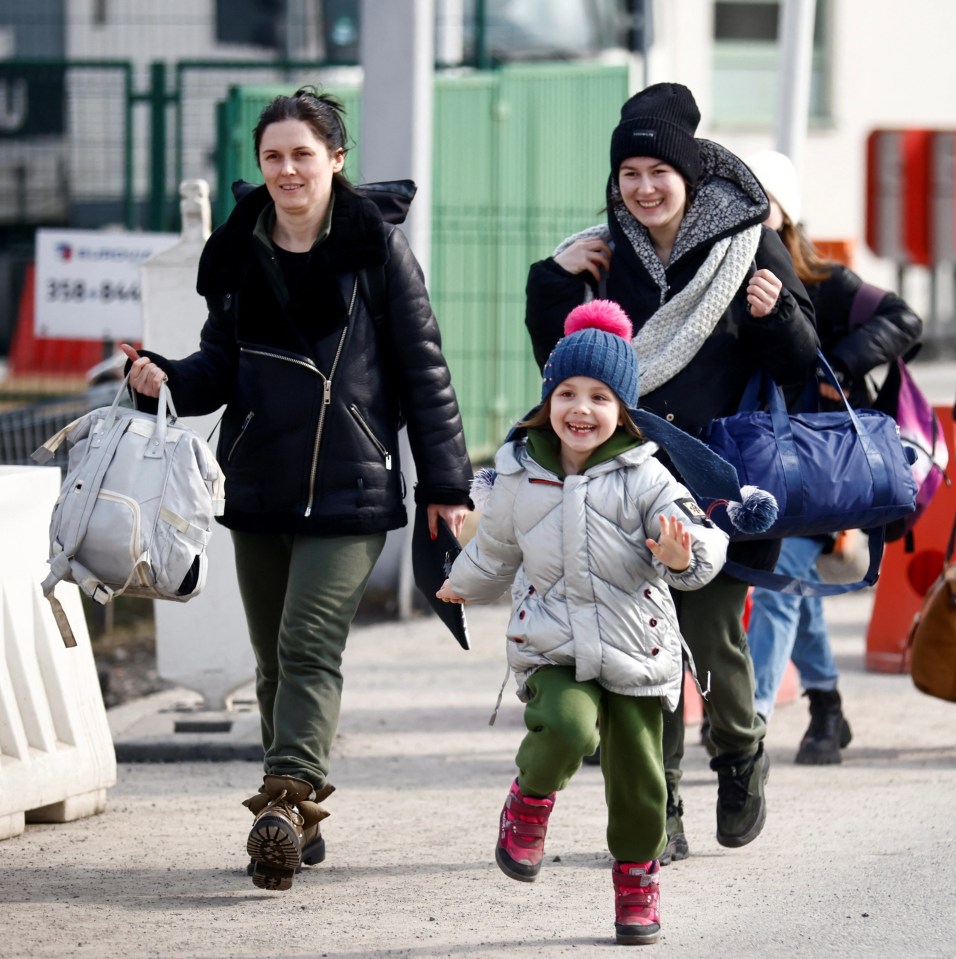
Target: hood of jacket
{"x": 727, "y": 199}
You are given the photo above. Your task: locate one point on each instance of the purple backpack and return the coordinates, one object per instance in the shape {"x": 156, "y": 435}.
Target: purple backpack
{"x": 920, "y": 428}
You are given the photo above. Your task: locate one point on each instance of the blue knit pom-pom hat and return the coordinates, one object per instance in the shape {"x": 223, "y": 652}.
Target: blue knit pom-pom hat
{"x": 597, "y": 343}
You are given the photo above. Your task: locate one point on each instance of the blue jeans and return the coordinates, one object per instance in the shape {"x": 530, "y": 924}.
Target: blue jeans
{"x": 784, "y": 627}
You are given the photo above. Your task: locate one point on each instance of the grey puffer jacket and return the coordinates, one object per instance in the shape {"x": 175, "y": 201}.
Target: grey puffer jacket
{"x": 586, "y": 590}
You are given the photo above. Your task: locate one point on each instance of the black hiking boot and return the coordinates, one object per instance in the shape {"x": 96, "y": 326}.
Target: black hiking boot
{"x": 741, "y": 806}
{"x": 828, "y": 732}
{"x": 677, "y": 847}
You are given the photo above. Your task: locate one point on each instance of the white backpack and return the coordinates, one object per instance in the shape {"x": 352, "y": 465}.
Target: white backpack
{"x": 136, "y": 507}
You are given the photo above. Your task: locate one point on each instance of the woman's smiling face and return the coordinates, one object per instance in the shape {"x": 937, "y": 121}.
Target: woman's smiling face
{"x": 654, "y": 193}
{"x": 297, "y": 166}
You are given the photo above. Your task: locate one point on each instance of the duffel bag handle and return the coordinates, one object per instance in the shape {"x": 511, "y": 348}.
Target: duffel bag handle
{"x": 763, "y": 385}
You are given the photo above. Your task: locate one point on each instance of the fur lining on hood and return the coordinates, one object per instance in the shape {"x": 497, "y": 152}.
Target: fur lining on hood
{"x": 357, "y": 240}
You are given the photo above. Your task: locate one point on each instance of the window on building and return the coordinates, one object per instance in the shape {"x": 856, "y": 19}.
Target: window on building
{"x": 543, "y": 29}
{"x": 747, "y": 58}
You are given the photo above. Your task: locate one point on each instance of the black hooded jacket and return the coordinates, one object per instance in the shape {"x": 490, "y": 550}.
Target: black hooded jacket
{"x": 314, "y": 386}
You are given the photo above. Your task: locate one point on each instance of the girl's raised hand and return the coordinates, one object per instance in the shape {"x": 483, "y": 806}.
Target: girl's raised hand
{"x": 672, "y": 547}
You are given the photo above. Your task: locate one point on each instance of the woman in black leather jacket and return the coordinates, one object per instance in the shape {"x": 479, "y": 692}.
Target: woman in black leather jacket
{"x": 316, "y": 377}
{"x": 785, "y": 626}
{"x": 713, "y": 297}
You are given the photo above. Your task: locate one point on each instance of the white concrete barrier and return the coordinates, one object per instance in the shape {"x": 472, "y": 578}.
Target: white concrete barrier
{"x": 56, "y": 753}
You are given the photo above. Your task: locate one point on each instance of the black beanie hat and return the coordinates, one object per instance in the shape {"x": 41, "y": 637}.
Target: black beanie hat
{"x": 660, "y": 122}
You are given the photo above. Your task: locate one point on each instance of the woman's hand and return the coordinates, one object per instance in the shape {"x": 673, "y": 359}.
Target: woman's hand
{"x": 591, "y": 254}
{"x": 144, "y": 376}
{"x": 763, "y": 291}
{"x": 447, "y": 595}
{"x": 672, "y": 548}
{"x": 454, "y": 516}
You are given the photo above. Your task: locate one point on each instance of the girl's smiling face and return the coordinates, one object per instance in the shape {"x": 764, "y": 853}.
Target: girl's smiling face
{"x": 584, "y": 413}
{"x": 297, "y": 167}
{"x": 654, "y": 193}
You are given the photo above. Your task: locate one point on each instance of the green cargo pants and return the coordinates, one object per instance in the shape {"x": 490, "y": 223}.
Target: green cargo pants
{"x": 300, "y": 595}
{"x": 711, "y": 622}
{"x": 561, "y": 717}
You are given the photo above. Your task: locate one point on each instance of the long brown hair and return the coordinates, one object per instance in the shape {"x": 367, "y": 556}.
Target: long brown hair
{"x": 810, "y": 266}
{"x": 541, "y": 419}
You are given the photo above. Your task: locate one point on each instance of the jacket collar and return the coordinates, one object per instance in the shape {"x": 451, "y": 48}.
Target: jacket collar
{"x": 356, "y": 240}
{"x": 543, "y": 447}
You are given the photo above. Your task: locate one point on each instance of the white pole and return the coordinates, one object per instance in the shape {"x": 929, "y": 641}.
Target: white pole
{"x": 795, "y": 39}
{"x": 397, "y": 53}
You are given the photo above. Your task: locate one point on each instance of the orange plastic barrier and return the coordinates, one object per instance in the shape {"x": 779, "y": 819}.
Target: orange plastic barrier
{"x": 840, "y": 250}
{"x": 905, "y": 577}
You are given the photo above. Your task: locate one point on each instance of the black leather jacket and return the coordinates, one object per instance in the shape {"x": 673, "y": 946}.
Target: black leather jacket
{"x": 313, "y": 385}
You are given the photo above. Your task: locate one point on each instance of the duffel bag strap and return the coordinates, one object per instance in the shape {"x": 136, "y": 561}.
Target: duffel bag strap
{"x": 804, "y": 587}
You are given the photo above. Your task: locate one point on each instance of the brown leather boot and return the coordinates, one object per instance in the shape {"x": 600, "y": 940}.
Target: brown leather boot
{"x": 286, "y": 831}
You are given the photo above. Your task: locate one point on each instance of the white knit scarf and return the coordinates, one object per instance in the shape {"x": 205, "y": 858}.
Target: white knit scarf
{"x": 672, "y": 337}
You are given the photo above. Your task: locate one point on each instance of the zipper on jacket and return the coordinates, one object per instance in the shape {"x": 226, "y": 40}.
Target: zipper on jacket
{"x": 376, "y": 442}
{"x": 326, "y": 400}
{"x": 242, "y": 433}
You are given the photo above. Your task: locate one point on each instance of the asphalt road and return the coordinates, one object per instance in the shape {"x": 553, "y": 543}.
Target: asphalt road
{"x": 856, "y": 860}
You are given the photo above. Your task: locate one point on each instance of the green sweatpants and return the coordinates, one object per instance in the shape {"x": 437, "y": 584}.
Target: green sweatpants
{"x": 711, "y": 622}
{"x": 562, "y": 716}
{"x": 300, "y": 595}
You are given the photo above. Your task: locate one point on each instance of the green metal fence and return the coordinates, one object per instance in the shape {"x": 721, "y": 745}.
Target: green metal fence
{"x": 519, "y": 163}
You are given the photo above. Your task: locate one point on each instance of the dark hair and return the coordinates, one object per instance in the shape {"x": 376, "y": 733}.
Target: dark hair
{"x": 541, "y": 419}
{"x": 323, "y": 112}
{"x": 808, "y": 264}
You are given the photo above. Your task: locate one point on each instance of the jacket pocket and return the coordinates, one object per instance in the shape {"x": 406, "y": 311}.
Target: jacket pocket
{"x": 244, "y": 427}
{"x": 375, "y": 441}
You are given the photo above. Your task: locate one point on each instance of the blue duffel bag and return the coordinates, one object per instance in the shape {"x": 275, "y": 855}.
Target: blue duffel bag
{"x": 827, "y": 471}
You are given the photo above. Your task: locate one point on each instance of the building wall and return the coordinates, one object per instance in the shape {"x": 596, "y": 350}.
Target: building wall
{"x": 891, "y": 65}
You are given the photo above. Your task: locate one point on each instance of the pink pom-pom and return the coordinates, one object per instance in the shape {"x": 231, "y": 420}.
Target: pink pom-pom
{"x": 600, "y": 315}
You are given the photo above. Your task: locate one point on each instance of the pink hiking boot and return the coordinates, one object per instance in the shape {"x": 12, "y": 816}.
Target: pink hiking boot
{"x": 523, "y": 826}
{"x": 637, "y": 902}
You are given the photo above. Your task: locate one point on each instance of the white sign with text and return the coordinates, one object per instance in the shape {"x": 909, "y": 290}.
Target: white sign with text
{"x": 87, "y": 282}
